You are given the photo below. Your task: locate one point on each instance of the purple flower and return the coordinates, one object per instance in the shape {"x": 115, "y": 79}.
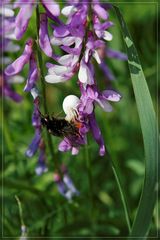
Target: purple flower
{"x": 33, "y": 74}
{"x": 100, "y": 11}
{"x": 65, "y": 185}
{"x": 96, "y": 133}
{"x": 65, "y": 36}
{"x": 81, "y": 114}
{"x": 36, "y": 141}
{"x": 72, "y": 143}
{"x": 19, "y": 63}
{"x": 44, "y": 41}
{"x": 52, "y": 7}
{"x": 116, "y": 54}
{"x": 36, "y": 122}
{"x": 34, "y": 144}
{"x": 41, "y": 166}
{"x": 23, "y": 17}
{"x": 69, "y": 183}
{"x": 91, "y": 95}
{"x": 25, "y": 13}
{"x": 7, "y": 91}
{"x": 107, "y": 71}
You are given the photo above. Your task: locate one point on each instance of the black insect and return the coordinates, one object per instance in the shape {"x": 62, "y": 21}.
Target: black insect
{"x": 59, "y": 127}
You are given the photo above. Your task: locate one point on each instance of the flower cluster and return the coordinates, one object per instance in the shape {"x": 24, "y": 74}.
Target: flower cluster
{"x": 7, "y": 19}
{"x": 37, "y": 142}
{"x": 83, "y": 40}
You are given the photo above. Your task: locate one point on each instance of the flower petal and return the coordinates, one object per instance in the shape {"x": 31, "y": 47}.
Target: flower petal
{"x": 34, "y": 144}
{"x": 106, "y": 106}
{"x": 22, "y": 19}
{"x": 97, "y": 134}
{"x": 52, "y": 7}
{"x": 96, "y": 56}
{"x": 111, "y": 95}
{"x": 8, "y": 92}
{"x": 66, "y": 11}
{"x": 85, "y": 73}
{"x": 6, "y": 11}
{"x": 19, "y": 63}
{"x": 58, "y": 70}
{"x": 64, "y": 145}
{"x": 116, "y": 54}
{"x": 61, "y": 31}
{"x": 55, "y": 78}
{"x": 107, "y": 36}
{"x": 100, "y": 11}
{"x": 44, "y": 41}
{"x": 33, "y": 74}
{"x": 66, "y": 60}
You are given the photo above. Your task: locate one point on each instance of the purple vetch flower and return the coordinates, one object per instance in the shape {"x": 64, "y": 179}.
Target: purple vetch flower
{"x": 72, "y": 144}
{"x": 116, "y": 54}
{"x": 33, "y": 74}
{"x": 41, "y": 165}
{"x": 91, "y": 95}
{"x": 25, "y": 13}
{"x": 33, "y": 147}
{"x": 37, "y": 143}
{"x": 44, "y": 41}
{"x": 68, "y": 181}
{"x": 66, "y": 36}
{"x": 7, "y": 91}
{"x": 34, "y": 144}
{"x": 19, "y": 63}
{"x": 51, "y": 7}
{"x": 68, "y": 63}
{"x": 17, "y": 66}
{"x": 65, "y": 185}
{"x": 107, "y": 71}
{"x": 6, "y": 9}
{"x": 6, "y": 45}
{"x": 6, "y": 88}
{"x": 100, "y": 29}
{"x": 23, "y": 17}
{"x": 36, "y": 122}
{"x": 97, "y": 133}
{"x": 61, "y": 73}
{"x": 81, "y": 113}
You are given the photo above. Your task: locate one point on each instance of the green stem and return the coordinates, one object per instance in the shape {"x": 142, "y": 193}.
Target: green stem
{"x": 40, "y": 62}
{"x": 88, "y": 24}
{"x": 20, "y": 210}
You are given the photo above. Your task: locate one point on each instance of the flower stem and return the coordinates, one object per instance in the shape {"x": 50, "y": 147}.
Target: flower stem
{"x": 20, "y": 210}
{"x": 40, "y": 62}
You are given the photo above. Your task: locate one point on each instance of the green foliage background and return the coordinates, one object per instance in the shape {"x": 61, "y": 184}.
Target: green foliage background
{"x": 45, "y": 212}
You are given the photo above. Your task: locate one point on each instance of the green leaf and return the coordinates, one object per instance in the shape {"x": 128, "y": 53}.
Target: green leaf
{"x": 149, "y": 128}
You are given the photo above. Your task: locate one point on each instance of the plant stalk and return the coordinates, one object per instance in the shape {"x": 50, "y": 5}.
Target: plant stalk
{"x": 40, "y": 62}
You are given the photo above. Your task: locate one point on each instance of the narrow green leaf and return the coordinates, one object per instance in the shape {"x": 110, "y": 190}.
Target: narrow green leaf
{"x": 149, "y": 128}
{"x": 122, "y": 194}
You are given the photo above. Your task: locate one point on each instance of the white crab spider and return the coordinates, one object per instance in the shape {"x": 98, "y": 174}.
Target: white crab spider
{"x": 70, "y": 104}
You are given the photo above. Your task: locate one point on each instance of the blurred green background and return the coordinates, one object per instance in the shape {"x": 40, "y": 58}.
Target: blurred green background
{"x": 45, "y": 211}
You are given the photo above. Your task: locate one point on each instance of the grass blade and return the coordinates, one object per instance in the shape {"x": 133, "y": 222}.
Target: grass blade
{"x": 149, "y": 128}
